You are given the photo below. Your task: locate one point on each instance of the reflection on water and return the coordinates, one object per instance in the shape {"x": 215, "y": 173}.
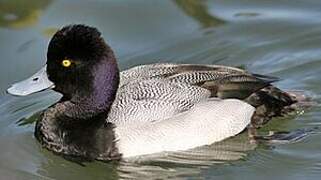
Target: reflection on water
{"x": 186, "y": 163}
{"x": 280, "y": 38}
{"x": 161, "y": 166}
{"x": 19, "y": 14}
{"x": 199, "y": 11}
{"x": 49, "y": 32}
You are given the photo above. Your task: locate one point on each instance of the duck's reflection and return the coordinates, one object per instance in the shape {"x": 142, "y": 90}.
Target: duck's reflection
{"x": 17, "y": 14}
{"x": 162, "y": 166}
{"x": 180, "y": 164}
{"x": 199, "y": 11}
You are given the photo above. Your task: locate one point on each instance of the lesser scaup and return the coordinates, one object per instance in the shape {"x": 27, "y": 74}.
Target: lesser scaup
{"x": 106, "y": 114}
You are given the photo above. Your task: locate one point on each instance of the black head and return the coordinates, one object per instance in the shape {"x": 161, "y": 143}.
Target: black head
{"x": 72, "y": 53}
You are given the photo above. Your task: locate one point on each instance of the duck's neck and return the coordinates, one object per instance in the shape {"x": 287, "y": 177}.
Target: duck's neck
{"x": 95, "y": 100}
{"x": 77, "y": 126}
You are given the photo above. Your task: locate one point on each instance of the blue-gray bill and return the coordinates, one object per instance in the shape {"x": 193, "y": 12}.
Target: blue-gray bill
{"x": 37, "y": 82}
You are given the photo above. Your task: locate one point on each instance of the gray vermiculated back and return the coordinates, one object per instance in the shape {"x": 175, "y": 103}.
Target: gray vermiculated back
{"x": 157, "y": 91}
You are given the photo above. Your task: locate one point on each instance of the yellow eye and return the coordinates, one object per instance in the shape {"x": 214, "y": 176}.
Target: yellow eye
{"x": 66, "y": 63}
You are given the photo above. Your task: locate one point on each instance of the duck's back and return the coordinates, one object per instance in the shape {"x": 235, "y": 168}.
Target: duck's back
{"x": 156, "y": 92}
{"x": 154, "y": 100}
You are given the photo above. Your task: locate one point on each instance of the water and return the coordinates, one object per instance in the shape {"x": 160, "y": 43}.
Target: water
{"x": 280, "y": 38}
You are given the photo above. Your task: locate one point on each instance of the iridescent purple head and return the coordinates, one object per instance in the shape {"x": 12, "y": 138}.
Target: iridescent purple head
{"x": 74, "y": 56}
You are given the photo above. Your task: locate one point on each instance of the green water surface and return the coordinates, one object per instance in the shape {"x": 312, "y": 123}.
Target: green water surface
{"x": 274, "y": 37}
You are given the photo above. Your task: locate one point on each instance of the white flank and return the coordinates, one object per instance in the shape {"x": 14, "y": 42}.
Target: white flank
{"x": 204, "y": 124}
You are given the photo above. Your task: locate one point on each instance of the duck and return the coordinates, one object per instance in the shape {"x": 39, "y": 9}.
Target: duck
{"x": 106, "y": 114}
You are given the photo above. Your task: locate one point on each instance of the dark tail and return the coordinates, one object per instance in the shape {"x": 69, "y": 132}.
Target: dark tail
{"x": 271, "y": 102}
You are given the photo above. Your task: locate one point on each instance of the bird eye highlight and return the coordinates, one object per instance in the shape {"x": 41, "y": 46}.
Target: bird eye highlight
{"x": 66, "y": 63}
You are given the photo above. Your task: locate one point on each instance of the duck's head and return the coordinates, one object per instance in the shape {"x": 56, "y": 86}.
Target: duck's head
{"x": 78, "y": 60}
